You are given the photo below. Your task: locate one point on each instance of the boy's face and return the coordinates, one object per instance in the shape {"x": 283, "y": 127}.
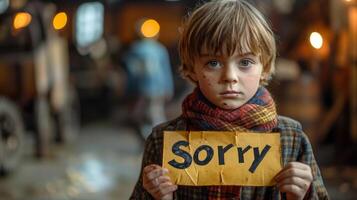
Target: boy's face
{"x": 228, "y": 81}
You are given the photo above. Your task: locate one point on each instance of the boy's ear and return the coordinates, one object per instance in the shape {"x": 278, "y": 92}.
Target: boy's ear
{"x": 192, "y": 75}
{"x": 264, "y": 76}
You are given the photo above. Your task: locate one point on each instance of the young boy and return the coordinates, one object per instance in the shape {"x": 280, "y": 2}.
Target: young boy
{"x": 228, "y": 51}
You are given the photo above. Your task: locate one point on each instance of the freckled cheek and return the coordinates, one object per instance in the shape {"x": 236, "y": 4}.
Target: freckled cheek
{"x": 207, "y": 80}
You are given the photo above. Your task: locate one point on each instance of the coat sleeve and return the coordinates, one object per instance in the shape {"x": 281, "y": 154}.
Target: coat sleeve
{"x": 297, "y": 147}
{"x": 317, "y": 189}
{"x": 152, "y": 155}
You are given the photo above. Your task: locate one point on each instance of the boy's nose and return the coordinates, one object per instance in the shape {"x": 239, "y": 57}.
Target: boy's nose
{"x": 230, "y": 75}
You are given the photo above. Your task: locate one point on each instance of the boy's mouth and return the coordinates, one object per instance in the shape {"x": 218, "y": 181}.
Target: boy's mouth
{"x": 230, "y": 93}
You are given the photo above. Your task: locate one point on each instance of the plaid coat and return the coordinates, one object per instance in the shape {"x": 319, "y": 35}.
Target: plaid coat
{"x": 295, "y": 147}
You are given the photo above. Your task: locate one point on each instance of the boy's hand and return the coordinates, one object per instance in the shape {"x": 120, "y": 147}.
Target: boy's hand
{"x": 157, "y": 184}
{"x": 294, "y": 179}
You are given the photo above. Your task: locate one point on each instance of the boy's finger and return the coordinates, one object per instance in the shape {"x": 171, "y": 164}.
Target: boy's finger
{"x": 150, "y": 172}
{"x": 163, "y": 179}
{"x": 290, "y": 188}
{"x": 151, "y": 167}
{"x": 290, "y": 172}
{"x": 156, "y": 173}
{"x": 293, "y": 173}
{"x": 299, "y": 165}
{"x": 303, "y": 184}
{"x": 148, "y": 185}
{"x": 167, "y": 197}
{"x": 166, "y": 188}
{"x": 155, "y": 183}
{"x": 153, "y": 189}
{"x": 295, "y": 165}
{"x": 156, "y": 188}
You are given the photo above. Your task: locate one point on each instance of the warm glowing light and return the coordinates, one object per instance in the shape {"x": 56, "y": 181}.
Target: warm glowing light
{"x": 150, "y": 28}
{"x": 22, "y": 19}
{"x": 60, "y": 21}
{"x": 316, "y": 40}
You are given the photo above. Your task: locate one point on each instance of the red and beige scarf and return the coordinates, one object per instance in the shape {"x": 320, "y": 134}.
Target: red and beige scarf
{"x": 257, "y": 115}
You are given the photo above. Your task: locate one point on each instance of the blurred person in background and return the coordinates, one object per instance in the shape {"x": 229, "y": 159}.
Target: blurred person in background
{"x": 149, "y": 80}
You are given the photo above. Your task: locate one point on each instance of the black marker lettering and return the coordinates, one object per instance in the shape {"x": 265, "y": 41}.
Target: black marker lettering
{"x": 241, "y": 153}
{"x": 221, "y": 152}
{"x": 258, "y": 157}
{"x": 209, "y": 155}
{"x": 186, "y": 156}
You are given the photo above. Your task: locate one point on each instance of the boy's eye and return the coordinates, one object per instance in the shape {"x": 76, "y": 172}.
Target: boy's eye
{"x": 245, "y": 63}
{"x": 213, "y": 64}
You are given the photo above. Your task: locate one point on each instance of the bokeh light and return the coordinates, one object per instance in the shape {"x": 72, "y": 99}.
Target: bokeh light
{"x": 21, "y": 20}
{"x": 150, "y": 28}
{"x": 60, "y": 21}
{"x": 316, "y": 40}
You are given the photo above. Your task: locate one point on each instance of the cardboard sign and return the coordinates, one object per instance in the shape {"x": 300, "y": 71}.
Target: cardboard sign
{"x": 222, "y": 158}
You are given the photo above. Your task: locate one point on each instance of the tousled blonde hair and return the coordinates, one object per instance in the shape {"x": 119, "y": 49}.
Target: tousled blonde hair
{"x": 227, "y": 26}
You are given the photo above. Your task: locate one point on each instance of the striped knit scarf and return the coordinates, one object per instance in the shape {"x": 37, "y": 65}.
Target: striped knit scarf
{"x": 258, "y": 115}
